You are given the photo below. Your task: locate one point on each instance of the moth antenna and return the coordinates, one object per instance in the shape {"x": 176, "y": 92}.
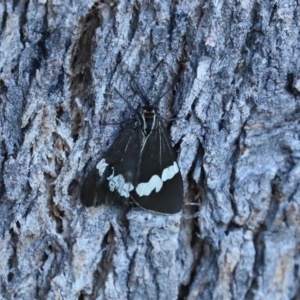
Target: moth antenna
{"x": 172, "y": 119}
{"x": 160, "y": 97}
{"x": 141, "y": 92}
{"x": 127, "y": 102}
{"x": 119, "y": 123}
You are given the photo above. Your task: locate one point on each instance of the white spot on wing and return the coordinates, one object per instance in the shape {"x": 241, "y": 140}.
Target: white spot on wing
{"x": 145, "y": 188}
{"x": 118, "y": 183}
{"x": 115, "y": 182}
{"x": 155, "y": 182}
{"x": 101, "y": 166}
{"x": 168, "y": 173}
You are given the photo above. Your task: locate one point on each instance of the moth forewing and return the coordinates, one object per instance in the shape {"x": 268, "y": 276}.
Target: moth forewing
{"x": 115, "y": 175}
{"x": 159, "y": 186}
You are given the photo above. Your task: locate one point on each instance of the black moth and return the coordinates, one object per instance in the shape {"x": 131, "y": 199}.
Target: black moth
{"x": 140, "y": 165}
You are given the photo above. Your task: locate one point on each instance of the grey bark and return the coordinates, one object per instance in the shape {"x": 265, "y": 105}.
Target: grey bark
{"x": 234, "y": 71}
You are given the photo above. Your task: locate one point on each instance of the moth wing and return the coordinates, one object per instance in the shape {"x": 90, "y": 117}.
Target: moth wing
{"x": 159, "y": 187}
{"x": 93, "y": 189}
{"x": 116, "y": 173}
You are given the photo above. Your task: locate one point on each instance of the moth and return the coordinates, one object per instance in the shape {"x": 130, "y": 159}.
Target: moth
{"x": 140, "y": 166}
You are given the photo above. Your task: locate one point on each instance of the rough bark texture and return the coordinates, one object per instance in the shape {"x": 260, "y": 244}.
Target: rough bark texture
{"x": 234, "y": 71}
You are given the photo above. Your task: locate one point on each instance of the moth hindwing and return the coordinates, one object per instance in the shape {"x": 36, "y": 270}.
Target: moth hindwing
{"x": 140, "y": 165}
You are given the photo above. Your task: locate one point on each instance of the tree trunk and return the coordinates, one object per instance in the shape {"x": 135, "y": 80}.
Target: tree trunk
{"x": 233, "y": 72}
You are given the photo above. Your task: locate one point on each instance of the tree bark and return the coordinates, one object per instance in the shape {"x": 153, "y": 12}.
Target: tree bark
{"x": 233, "y": 72}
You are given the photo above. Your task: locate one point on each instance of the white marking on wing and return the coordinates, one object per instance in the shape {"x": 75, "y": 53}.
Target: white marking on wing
{"x": 118, "y": 183}
{"x": 101, "y": 166}
{"x": 115, "y": 182}
{"x": 168, "y": 173}
{"x": 125, "y": 189}
{"x": 155, "y": 182}
{"x": 145, "y": 188}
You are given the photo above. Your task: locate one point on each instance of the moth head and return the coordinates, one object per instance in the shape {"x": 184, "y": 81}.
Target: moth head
{"x": 149, "y": 118}
{"x": 150, "y": 108}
